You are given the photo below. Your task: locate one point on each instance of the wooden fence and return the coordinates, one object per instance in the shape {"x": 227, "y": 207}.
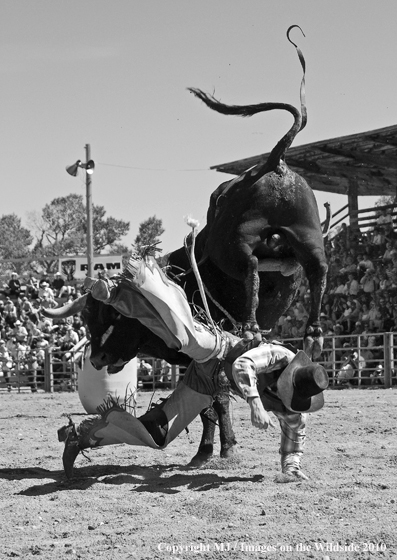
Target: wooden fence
{"x": 366, "y": 217}
{"x": 374, "y": 358}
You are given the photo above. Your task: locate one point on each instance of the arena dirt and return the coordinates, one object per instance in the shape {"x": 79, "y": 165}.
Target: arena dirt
{"x": 138, "y": 503}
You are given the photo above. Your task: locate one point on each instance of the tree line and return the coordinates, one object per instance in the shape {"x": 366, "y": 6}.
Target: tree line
{"x": 60, "y": 229}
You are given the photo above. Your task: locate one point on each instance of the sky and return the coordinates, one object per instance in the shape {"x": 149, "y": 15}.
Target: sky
{"x": 114, "y": 74}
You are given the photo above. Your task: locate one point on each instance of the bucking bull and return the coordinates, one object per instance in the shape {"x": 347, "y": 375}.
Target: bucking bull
{"x": 262, "y": 229}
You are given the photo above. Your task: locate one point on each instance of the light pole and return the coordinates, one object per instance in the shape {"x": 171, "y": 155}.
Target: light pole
{"x": 89, "y": 167}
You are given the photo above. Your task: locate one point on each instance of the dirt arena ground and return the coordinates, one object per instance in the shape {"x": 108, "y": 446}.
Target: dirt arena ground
{"x": 138, "y": 503}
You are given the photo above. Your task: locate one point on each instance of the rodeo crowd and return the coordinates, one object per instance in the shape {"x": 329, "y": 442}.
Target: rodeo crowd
{"x": 361, "y": 294}
{"x": 25, "y": 334}
{"x": 360, "y": 299}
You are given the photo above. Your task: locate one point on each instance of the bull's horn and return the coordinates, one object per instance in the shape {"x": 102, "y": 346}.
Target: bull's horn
{"x": 67, "y": 310}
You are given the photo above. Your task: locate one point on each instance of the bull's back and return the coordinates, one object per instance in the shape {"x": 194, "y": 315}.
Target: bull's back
{"x": 279, "y": 201}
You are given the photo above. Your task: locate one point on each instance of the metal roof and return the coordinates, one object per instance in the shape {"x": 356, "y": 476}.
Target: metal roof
{"x": 368, "y": 159}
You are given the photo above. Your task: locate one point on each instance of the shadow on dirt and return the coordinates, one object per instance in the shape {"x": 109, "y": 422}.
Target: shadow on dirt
{"x": 142, "y": 478}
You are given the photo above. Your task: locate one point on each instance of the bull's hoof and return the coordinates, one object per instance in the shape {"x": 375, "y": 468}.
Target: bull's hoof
{"x": 201, "y": 458}
{"x": 250, "y": 329}
{"x": 227, "y": 453}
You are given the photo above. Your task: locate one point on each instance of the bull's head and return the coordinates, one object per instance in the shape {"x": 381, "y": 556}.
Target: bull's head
{"x": 114, "y": 339}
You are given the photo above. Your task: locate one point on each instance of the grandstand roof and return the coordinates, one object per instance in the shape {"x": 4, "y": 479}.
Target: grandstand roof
{"x": 369, "y": 159}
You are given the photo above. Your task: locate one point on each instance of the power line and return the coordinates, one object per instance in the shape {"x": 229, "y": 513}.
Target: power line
{"x": 150, "y": 168}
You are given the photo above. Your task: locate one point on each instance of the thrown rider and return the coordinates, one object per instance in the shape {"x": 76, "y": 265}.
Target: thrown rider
{"x": 269, "y": 376}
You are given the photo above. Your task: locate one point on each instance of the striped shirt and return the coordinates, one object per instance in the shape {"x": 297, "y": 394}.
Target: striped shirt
{"x": 266, "y": 361}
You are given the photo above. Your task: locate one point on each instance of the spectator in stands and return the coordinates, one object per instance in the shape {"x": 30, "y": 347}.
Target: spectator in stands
{"x": 326, "y": 323}
{"x": 33, "y": 330}
{"x": 389, "y": 251}
{"x": 369, "y": 283}
{"x": 365, "y": 263}
{"x": 70, "y": 336}
{"x": 32, "y": 287}
{"x": 378, "y": 241}
{"x": 384, "y": 217}
{"x": 58, "y": 285}
{"x": 12, "y": 347}
{"x": 145, "y": 368}
{"x": 45, "y": 278}
{"x": 375, "y": 318}
{"x": 358, "y": 328}
{"x": 384, "y": 282}
{"x": 25, "y": 308}
{"x": 351, "y": 315}
{"x": 339, "y": 341}
{"x": 352, "y": 286}
{"x": 386, "y": 315}
{"x": 348, "y": 266}
{"x": 5, "y": 363}
{"x": 334, "y": 266}
{"x": 14, "y": 285}
{"x": 32, "y": 364}
{"x": 286, "y": 329}
{"x": 45, "y": 291}
{"x": 19, "y": 332}
{"x": 10, "y": 312}
{"x": 390, "y": 234}
{"x": 340, "y": 287}
{"x": 77, "y": 322}
{"x": 298, "y": 328}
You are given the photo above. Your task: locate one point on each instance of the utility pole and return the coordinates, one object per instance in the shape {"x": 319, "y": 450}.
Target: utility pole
{"x": 88, "y": 182}
{"x": 89, "y": 167}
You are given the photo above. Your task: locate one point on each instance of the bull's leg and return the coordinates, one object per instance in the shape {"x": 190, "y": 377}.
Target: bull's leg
{"x": 316, "y": 271}
{"x": 251, "y": 295}
{"x": 228, "y": 440}
{"x": 205, "y": 451}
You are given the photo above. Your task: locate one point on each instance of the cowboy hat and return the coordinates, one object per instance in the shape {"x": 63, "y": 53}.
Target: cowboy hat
{"x": 301, "y": 385}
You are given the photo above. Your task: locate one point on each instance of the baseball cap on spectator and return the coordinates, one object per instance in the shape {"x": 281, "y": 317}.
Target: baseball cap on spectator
{"x": 45, "y": 284}
{"x": 17, "y": 322}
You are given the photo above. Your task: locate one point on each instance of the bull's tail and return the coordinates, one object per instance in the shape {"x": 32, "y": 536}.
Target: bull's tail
{"x": 282, "y": 146}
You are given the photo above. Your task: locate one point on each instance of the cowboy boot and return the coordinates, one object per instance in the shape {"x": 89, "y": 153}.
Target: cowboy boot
{"x": 73, "y": 446}
{"x": 82, "y": 436}
{"x": 290, "y": 466}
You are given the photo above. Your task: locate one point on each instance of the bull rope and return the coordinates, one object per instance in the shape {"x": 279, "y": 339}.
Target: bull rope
{"x": 199, "y": 280}
{"x": 194, "y": 225}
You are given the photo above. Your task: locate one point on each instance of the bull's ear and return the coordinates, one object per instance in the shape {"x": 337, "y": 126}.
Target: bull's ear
{"x": 67, "y": 310}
